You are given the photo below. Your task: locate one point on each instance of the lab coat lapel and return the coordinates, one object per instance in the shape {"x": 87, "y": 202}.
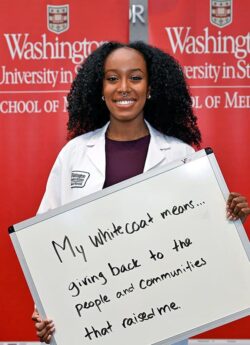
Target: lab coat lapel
{"x": 155, "y": 156}
{"x": 96, "y": 149}
{"x": 156, "y": 150}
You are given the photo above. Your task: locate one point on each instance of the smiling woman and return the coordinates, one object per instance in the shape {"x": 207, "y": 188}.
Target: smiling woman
{"x": 129, "y": 111}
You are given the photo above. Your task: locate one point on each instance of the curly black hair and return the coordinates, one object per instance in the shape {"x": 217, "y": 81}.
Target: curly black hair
{"x": 169, "y": 109}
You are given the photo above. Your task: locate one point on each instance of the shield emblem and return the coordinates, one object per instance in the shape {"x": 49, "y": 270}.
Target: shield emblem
{"x": 221, "y": 12}
{"x": 58, "y": 18}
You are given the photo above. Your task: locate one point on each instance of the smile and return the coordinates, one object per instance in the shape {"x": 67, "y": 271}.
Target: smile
{"x": 125, "y": 102}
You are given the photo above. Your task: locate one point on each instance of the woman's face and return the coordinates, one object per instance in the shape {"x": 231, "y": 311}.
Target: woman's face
{"x": 125, "y": 84}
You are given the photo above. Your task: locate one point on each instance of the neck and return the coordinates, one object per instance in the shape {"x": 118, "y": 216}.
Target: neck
{"x": 127, "y": 131}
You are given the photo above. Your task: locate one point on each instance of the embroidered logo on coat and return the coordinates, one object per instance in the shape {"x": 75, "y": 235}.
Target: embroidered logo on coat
{"x": 79, "y": 178}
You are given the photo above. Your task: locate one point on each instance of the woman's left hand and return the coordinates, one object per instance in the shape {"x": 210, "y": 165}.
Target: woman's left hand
{"x": 237, "y": 207}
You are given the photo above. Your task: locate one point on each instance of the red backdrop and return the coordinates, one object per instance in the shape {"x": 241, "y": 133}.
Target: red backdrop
{"x": 30, "y": 140}
{"x": 215, "y": 59}
{"x": 37, "y": 66}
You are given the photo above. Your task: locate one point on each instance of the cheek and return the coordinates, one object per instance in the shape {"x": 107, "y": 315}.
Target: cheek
{"x": 108, "y": 102}
{"x": 143, "y": 91}
{"x": 143, "y": 95}
{"x": 107, "y": 89}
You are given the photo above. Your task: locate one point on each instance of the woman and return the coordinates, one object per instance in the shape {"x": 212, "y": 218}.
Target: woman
{"x": 129, "y": 111}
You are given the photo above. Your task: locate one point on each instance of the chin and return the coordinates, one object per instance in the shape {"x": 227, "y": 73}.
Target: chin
{"x": 123, "y": 116}
{"x": 126, "y": 118}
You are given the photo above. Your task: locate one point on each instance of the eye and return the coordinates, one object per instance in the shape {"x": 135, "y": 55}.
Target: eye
{"x": 112, "y": 78}
{"x": 136, "y": 77}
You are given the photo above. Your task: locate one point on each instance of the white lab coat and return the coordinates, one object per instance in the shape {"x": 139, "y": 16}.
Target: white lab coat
{"x": 79, "y": 169}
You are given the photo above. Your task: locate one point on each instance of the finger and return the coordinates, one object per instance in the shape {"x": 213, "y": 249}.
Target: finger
{"x": 46, "y": 334}
{"x": 35, "y": 316}
{"x": 239, "y": 207}
{"x": 41, "y": 333}
{"x": 242, "y": 214}
{"x": 245, "y": 211}
{"x": 48, "y": 339}
{"x": 236, "y": 203}
{"x": 236, "y": 211}
{"x": 43, "y": 327}
{"x": 237, "y": 199}
{"x": 231, "y": 196}
{"x": 40, "y": 325}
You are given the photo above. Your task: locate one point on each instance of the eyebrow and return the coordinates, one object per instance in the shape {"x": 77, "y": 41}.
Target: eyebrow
{"x": 131, "y": 70}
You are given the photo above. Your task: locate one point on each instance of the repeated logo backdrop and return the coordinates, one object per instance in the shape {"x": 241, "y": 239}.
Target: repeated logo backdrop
{"x": 215, "y": 59}
{"x": 42, "y": 44}
{"x": 211, "y": 40}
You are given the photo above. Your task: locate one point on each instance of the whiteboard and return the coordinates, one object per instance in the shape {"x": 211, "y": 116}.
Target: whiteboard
{"x": 150, "y": 260}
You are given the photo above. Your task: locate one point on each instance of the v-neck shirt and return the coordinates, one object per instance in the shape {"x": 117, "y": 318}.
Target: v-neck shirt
{"x": 125, "y": 159}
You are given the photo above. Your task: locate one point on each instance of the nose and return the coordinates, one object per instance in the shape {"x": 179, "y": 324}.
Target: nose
{"x": 124, "y": 85}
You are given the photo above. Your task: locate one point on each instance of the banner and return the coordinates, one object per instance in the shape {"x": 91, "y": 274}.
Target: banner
{"x": 211, "y": 40}
{"x": 42, "y": 44}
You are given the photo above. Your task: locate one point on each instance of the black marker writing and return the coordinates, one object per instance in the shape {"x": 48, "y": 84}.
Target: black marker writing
{"x": 167, "y": 307}
{"x": 97, "y": 302}
{"x": 177, "y": 210}
{"x": 155, "y": 256}
{"x": 67, "y": 245}
{"x": 125, "y": 291}
{"x": 135, "y": 319}
{"x": 76, "y": 285}
{"x": 116, "y": 270}
{"x": 189, "y": 267}
{"x": 98, "y": 333}
{"x": 103, "y": 237}
{"x": 181, "y": 244}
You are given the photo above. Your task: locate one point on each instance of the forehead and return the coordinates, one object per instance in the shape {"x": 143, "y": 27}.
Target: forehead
{"x": 125, "y": 59}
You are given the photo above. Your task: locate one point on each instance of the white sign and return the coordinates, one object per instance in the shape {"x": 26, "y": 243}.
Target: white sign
{"x": 152, "y": 259}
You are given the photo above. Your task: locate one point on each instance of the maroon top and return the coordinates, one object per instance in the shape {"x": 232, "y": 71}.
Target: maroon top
{"x": 125, "y": 159}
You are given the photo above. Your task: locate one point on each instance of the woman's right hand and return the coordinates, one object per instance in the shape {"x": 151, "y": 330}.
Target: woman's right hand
{"x": 44, "y": 328}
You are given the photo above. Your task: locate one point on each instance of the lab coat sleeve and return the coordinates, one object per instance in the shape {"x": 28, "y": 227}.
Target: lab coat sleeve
{"x": 52, "y": 195}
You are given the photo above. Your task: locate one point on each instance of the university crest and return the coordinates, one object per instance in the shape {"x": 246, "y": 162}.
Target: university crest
{"x": 58, "y": 18}
{"x": 221, "y": 12}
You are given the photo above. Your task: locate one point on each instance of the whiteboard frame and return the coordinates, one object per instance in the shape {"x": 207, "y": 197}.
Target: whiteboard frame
{"x": 100, "y": 194}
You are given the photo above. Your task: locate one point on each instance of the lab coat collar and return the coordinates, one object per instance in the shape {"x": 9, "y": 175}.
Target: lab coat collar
{"x": 158, "y": 144}
{"x": 96, "y": 148}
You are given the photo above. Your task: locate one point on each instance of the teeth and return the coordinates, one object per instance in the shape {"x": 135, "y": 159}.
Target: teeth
{"x": 124, "y": 102}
